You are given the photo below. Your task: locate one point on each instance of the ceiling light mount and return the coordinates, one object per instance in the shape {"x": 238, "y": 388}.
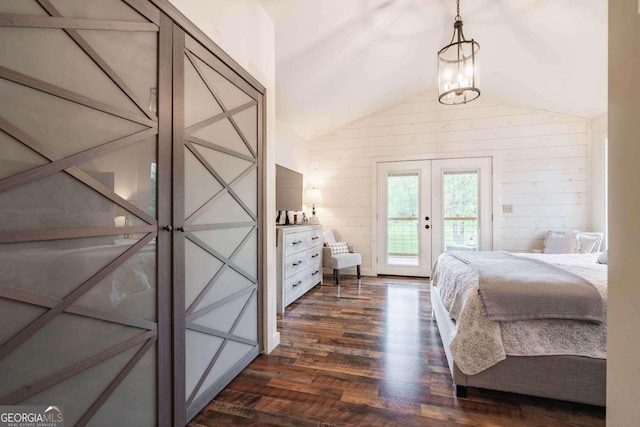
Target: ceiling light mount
{"x": 458, "y": 67}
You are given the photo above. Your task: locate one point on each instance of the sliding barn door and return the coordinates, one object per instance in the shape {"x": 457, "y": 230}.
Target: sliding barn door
{"x": 79, "y": 168}
{"x": 216, "y": 192}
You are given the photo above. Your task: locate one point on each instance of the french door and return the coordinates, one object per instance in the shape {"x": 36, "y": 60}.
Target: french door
{"x": 462, "y": 200}
{"x": 404, "y": 211}
{"x": 427, "y": 207}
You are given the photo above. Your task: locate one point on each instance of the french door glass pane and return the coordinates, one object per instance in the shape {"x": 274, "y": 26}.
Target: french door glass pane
{"x": 131, "y": 289}
{"x": 62, "y": 126}
{"x": 132, "y": 176}
{"x": 81, "y": 390}
{"x": 246, "y": 121}
{"x": 51, "y": 56}
{"x": 98, "y": 9}
{"x": 226, "y": 92}
{"x": 129, "y": 403}
{"x": 460, "y": 210}
{"x": 16, "y": 157}
{"x": 132, "y": 56}
{"x": 403, "y": 197}
{"x": 71, "y": 338}
{"x": 22, "y": 7}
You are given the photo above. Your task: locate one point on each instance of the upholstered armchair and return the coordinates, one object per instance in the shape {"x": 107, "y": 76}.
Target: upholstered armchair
{"x": 338, "y": 255}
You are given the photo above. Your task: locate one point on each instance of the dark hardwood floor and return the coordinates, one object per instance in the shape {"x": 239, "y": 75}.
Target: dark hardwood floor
{"x": 370, "y": 356}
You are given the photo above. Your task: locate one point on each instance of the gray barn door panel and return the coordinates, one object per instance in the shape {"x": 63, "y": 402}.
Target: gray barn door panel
{"x": 129, "y": 211}
{"x": 79, "y": 285}
{"x": 218, "y": 150}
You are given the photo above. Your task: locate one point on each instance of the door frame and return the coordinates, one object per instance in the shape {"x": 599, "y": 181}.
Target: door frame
{"x": 497, "y": 174}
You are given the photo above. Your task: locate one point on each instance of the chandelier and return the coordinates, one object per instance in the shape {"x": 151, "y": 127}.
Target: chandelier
{"x": 458, "y": 67}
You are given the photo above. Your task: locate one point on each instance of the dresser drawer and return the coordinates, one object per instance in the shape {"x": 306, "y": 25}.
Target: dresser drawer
{"x": 294, "y": 286}
{"x": 295, "y": 242}
{"x": 314, "y": 238}
{"x": 295, "y": 263}
{"x": 313, "y": 255}
{"x": 314, "y": 273}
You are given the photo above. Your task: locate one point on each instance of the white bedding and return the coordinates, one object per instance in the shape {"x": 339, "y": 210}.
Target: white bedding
{"x": 479, "y": 343}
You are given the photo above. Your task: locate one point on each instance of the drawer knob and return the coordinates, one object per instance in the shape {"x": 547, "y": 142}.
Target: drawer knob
{"x": 314, "y": 238}
{"x": 298, "y": 242}
{"x": 296, "y": 284}
{"x": 297, "y": 263}
{"x": 315, "y": 272}
{"x": 313, "y": 256}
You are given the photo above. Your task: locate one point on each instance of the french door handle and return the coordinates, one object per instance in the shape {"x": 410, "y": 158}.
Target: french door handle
{"x": 167, "y": 228}
{"x": 181, "y": 229}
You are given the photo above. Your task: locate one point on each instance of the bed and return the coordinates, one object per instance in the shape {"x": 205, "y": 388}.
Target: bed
{"x": 561, "y": 359}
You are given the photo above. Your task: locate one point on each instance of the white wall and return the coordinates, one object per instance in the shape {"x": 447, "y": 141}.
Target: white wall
{"x": 245, "y": 31}
{"x": 541, "y": 165}
{"x": 598, "y": 178}
{"x": 623, "y": 369}
{"x": 292, "y": 150}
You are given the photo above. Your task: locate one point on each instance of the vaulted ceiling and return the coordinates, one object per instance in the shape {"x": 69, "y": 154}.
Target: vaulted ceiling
{"x": 339, "y": 60}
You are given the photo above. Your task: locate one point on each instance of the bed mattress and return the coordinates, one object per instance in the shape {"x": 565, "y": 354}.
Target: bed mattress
{"x": 477, "y": 342}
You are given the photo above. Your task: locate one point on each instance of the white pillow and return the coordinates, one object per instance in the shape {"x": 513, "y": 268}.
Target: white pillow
{"x": 561, "y": 242}
{"x": 587, "y": 243}
{"x": 338, "y": 248}
{"x": 590, "y": 242}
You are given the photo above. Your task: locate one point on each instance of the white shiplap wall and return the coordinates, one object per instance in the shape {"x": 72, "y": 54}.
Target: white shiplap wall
{"x": 541, "y": 166}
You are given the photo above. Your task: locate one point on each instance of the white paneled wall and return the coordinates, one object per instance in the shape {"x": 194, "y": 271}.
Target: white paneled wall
{"x": 541, "y": 166}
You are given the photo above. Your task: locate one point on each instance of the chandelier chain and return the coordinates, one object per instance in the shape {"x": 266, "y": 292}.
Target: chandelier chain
{"x": 458, "y": 17}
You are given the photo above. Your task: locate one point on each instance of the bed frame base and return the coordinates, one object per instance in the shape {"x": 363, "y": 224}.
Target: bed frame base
{"x": 572, "y": 378}
{"x": 461, "y": 391}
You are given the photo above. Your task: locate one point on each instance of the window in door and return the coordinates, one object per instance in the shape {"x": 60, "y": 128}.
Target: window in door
{"x": 460, "y": 210}
{"x": 403, "y": 195}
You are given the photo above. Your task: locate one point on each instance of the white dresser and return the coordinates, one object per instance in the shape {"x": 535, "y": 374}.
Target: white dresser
{"x": 299, "y": 261}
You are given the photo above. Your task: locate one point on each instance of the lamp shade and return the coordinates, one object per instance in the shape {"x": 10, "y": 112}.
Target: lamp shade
{"x": 313, "y": 196}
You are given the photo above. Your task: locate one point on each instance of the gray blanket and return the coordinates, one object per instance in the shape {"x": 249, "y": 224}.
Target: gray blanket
{"x": 516, "y": 288}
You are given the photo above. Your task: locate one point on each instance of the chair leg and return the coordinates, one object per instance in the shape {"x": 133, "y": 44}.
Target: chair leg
{"x": 337, "y": 277}
{"x": 358, "y": 269}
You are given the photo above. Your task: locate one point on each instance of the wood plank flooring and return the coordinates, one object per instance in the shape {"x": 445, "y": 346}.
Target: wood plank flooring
{"x": 370, "y": 356}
